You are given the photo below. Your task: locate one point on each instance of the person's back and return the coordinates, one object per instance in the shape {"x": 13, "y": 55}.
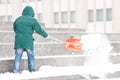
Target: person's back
{"x": 24, "y": 26}
{"x": 25, "y": 22}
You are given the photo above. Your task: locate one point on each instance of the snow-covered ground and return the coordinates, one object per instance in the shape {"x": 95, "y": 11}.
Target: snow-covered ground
{"x": 52, "y": 71}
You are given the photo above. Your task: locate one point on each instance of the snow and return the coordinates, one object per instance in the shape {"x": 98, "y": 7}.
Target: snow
{"x": 52, "y": 71}
{"x": 97, "y": 65}
{"x": 98, "y": 46}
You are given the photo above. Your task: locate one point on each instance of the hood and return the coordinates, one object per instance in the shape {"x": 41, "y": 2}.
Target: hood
{"x": 28, "y": 11}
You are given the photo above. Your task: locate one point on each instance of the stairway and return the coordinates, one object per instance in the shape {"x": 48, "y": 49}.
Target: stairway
{"x": 50, "y": 52}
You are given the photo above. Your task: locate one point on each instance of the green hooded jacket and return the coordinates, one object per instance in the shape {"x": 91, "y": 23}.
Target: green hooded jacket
{"x": 24, "y": 26}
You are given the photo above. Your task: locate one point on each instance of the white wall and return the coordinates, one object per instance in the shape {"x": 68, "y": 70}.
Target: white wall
{"x": 99, "y": 4}
{"x": 116, "y": 16}
{"x": 90, "y": 4}
{"x": 48, "y": 13}
{"x": 102, "y": 26}
{"x": 81, "y": 14}
{"x": 81, "y": 7}
{"x": 109, "y": 27}
{"x": 99, "y": 27}
{"x": 3, "y": 10}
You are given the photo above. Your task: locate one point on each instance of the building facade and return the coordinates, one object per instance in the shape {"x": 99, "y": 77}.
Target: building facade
{"x": 90, "y": 15}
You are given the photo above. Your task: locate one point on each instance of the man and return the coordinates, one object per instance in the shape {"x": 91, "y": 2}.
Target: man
{"x": 24, "y": 26}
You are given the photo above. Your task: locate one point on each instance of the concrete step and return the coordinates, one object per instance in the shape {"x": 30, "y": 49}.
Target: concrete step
{"x": 44, "y": 49}
{"x": 77, "y": 73}
{"x": 58, "y": 60}
{"x": 8, "y": 36}
{"x": 6, "y": 26}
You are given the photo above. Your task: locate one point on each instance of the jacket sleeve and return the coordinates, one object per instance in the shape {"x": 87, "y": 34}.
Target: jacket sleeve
{"x": 38, "y": 29}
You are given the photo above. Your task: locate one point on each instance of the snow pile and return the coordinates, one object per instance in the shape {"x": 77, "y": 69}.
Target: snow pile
{"x": 52, "y": 71}
{"x": 95, "y": 42}
{"x": 98, "y": 47}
